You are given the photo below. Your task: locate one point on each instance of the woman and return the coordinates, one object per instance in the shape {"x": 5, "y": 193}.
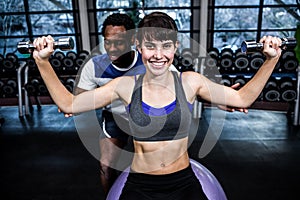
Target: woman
{"x": 159, "y": 104}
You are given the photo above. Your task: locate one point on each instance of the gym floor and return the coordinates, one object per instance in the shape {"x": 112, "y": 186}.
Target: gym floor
{"x": 257, "y": 155}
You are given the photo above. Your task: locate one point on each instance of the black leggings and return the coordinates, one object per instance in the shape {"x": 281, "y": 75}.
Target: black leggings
{"x": 181, "y": 185}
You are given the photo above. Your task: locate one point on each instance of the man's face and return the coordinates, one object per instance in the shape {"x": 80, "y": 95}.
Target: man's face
{"x": 115, "y": 42}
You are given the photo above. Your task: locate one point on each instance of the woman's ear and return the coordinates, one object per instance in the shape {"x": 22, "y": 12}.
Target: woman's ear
{"x": 138, "y": 46}
{"x": 176, "y": 45}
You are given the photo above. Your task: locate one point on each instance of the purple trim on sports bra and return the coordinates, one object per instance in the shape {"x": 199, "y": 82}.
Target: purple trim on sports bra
{"x": 152, "y": 111}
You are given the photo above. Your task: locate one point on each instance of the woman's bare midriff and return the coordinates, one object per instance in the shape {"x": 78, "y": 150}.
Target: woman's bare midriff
{"x": 162, "y": 157}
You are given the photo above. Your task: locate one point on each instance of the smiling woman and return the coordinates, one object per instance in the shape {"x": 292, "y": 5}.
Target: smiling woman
{"x": 161, "y": 167}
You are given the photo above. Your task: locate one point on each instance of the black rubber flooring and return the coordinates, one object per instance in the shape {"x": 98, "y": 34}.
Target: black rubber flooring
{"x": 256, "y": 156}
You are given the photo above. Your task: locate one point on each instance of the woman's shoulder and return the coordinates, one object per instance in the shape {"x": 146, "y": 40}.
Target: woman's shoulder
{"x": 125, "y": 81}
{"x": 190, "y": 76}
{"x": 124, "y": 86}
{"x": 192, "y": 81}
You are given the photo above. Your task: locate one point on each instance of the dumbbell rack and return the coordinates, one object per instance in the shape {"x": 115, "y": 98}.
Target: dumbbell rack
{"x": 28, "y": 78}
{"x": 24, "y": 67}
{"x": 24, "y": 105}
{"x": 8, "y": 78}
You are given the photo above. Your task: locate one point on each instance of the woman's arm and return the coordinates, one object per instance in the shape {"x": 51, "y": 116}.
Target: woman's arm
{"x": 244, "y": 97}
{"x": 65, "y": 100}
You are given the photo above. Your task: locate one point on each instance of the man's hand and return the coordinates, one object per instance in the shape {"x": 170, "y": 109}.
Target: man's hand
{"x": 232, "y": 109}
{"x": 66, "y": 114}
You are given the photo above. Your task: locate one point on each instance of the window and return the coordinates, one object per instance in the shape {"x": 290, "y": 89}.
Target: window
{"x": 24, "y": 20}
{"x": 179, "y": 10}
{"x": 235, "y": 21}
{"x": 230, "y": 21}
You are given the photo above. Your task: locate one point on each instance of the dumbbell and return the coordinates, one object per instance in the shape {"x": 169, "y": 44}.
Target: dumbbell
{"x": 289, "y": 60}
{"x": 81, "y": 57}
{"x": 212, "y": 58}
{"x": 56, "y": 60}
{"x": 187, "y": 59}
{"x": 288, "y": 88}
{"x": 256, "y": 60}
{"x": 65, "y": 43}
{"x": 43, "y": 91}
{"x": 241, "y": 79}
{"x": 10, "y": 88}
{"x": 226, "y": 60}
{"x": 226, "y": 80}
{"x": 271, "y": 90}
{"x": 10, "y": 63}
{"x": 249, "y": 46}
{"x": 69, "y": 62}
{"x": 241, "y": 62}
{"x": 32, "y": 87}
{"x": 69, "y": 84}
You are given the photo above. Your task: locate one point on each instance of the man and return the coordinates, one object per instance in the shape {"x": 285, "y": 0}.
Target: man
{"x": 120, "y": 59}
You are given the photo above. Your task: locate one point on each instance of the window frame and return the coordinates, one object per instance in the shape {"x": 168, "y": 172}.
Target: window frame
{"x": 31, "y": 36}
{"x": 259, "y": 30}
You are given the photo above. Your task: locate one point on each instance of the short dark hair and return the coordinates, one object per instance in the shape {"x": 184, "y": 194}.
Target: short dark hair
{"x": 118, "y": 19}
{"x": 157, "y": 20}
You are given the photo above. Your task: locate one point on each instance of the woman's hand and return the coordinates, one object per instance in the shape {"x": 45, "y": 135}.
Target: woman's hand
{"x": 43, "y": 48}
{"x": 271, "y": 48}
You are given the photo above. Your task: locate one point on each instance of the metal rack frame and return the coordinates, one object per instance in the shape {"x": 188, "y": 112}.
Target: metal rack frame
{"x": 21, "y": 90}
{"x": 296, "y": 120}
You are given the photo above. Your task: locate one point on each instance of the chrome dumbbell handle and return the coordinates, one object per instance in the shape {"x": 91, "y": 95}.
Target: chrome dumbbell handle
{"x": 249, "y": 46}
{"x": 64, "y": 44}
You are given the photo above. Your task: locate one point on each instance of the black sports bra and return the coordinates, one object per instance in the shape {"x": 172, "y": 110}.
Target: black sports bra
{"x": 168, "y": 126}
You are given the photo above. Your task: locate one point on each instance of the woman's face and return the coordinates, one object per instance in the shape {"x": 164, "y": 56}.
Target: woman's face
{"x": 157, "y": 55}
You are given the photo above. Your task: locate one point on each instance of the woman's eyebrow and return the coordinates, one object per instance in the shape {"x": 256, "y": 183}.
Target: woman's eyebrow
{"x": 153, "y": 42}
{"x": 147, "y": 42}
